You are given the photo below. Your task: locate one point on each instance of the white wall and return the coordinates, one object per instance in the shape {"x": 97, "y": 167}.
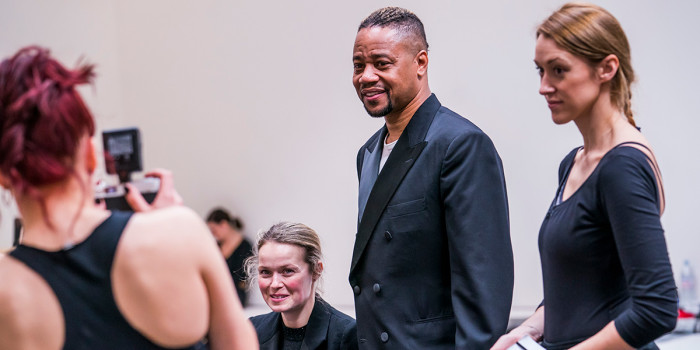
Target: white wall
{"x": 251, "y": 103}
{"x": 71, "y": 29}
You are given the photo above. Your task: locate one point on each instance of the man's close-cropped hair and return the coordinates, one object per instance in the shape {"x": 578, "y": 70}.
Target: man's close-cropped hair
{"x": 404, "y": 21}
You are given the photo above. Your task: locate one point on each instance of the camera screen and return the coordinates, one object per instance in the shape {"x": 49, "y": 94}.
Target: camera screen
{"x": 121, "y": 145}
{"x": 122, "y": 150}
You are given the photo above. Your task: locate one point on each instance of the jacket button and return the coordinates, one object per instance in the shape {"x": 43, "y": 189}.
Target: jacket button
{"x": 388, "y": 236}
{"x": 356, "y": 290}
{"x": 384, "y": 336}
{"x": 377, "y": 288}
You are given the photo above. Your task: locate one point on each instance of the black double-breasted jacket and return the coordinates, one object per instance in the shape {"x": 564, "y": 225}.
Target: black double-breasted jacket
{"x": 432, "y": 265}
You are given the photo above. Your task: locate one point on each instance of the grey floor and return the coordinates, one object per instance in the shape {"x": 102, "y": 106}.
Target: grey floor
{"x": 681, "y": 339}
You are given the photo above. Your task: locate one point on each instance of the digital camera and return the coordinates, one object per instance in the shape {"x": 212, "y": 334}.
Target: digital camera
{"x": 122, "y": 155}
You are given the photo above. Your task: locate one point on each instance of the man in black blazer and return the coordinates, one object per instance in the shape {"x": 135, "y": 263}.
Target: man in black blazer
{"x": 432, "y": 266}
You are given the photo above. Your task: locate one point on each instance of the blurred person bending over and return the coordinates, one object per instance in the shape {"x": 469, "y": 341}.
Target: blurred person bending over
{"x": 84, "y": 277}
{"x": 234, "y": 247}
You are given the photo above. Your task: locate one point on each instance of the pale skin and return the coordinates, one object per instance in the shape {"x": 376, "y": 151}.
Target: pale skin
{"x": 169, "y": 281}
{"x": 287, "y": 283}
{"x": 388, "y": 65}
{"x": 580, "y": 92}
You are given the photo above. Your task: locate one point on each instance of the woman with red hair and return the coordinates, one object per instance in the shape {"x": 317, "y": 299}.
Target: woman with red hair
{"x": 85, "y": 277}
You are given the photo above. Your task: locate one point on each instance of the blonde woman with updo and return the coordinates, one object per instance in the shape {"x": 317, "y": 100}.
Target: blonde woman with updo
{"x": 608, "y": 282}
{"x": 287, "y": 264}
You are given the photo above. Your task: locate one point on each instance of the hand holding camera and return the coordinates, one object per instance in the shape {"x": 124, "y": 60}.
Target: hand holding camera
{"x": 122, "y": 151}
{"x": 166, "y": 194}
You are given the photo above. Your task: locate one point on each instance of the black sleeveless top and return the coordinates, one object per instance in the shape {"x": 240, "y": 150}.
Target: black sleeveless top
{"x": 80, "y": 278}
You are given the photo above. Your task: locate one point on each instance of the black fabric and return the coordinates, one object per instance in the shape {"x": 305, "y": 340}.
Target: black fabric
{"x": 432, "y": 264}
{"x": 235, "y": 265}
{"x": 293, "y": 337}
{"x": 604, "y": 255}
{"x": 80, "y": 278}
{"x": 327, "y": 328}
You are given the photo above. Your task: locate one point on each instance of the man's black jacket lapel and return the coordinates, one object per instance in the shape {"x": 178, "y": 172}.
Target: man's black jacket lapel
{"x": 407, "y": 149}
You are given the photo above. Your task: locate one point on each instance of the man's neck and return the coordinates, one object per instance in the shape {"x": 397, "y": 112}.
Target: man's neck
{"x": 397, "y": 122}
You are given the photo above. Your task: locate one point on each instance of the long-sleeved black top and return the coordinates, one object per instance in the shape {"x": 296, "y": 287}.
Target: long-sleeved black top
{"x": 604, "y": 255}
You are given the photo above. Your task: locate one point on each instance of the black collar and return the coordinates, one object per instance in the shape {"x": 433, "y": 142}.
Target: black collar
{"x": 407, "y": 149}
{"x": 270, "y": 327}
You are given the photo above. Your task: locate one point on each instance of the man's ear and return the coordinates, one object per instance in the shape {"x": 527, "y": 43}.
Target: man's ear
{"x": 607, "y": 68}
{"x": 422, "y": 62}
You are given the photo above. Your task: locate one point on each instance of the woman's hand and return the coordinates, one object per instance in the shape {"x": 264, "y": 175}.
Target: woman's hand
{"x": 532, "y": 326}
{"x": 167, "y": 195}
{"x": 505, "y": 341}
{"x": 512, "y": 337}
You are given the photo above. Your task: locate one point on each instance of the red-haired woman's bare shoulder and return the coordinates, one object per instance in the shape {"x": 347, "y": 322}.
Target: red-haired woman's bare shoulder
{"x": 28, "y": 307}
{"x": 157, "y": 275}
{"x": 175, "y": 230}
{"x": 174, "y": 215}
{"x": 169, "y": 222}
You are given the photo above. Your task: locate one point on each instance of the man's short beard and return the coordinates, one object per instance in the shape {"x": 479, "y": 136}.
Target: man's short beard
{"x": 389, "y": 107}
